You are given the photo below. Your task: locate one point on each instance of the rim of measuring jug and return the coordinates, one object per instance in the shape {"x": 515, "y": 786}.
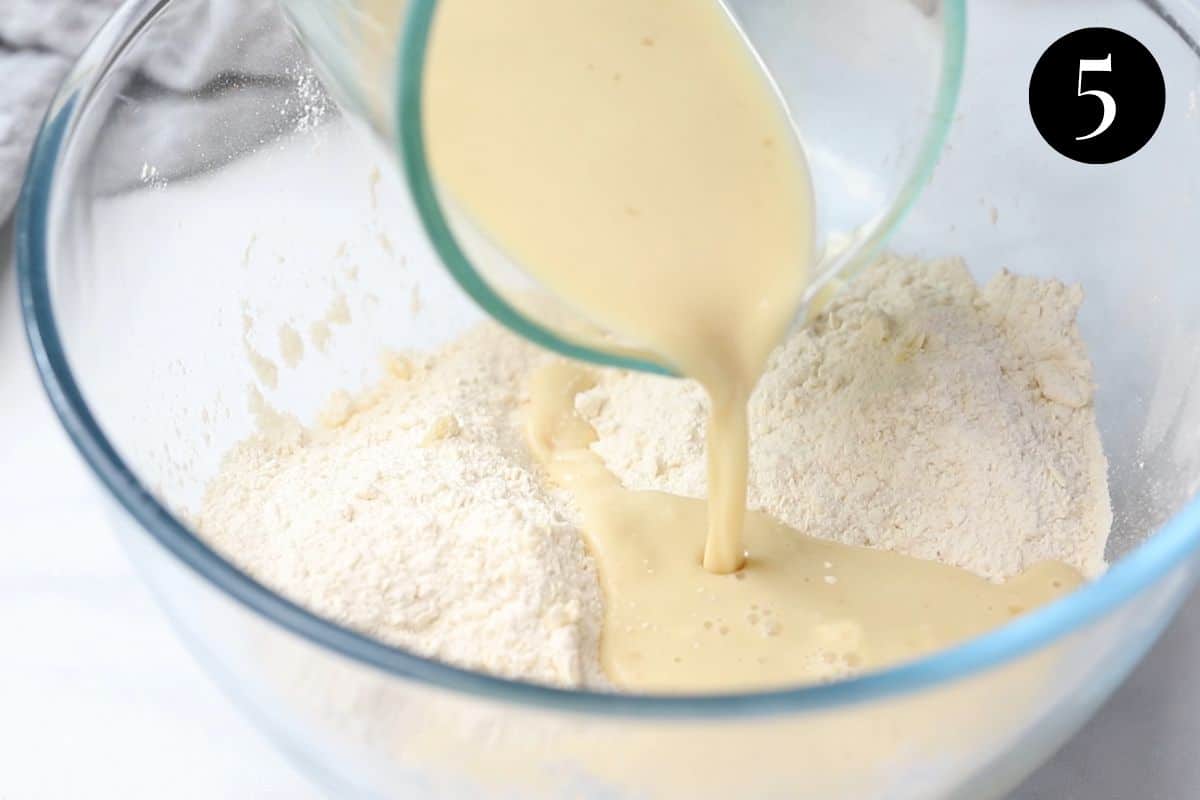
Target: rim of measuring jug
{"x": 410, "y": 134}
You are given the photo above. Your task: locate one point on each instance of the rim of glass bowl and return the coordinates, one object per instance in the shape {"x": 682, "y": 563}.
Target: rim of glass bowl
{"x": 409, "y": 128}
{"x": 1177, "y": 538}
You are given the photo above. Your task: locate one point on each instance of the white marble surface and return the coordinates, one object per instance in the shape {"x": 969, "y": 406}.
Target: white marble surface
{"x": 99, "y": 700}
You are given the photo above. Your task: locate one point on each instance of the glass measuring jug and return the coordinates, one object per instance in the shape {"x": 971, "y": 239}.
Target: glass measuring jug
{"x": 870, "y": 87}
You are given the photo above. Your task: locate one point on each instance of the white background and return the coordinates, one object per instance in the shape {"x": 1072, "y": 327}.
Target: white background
{"x": 98, "y": 698}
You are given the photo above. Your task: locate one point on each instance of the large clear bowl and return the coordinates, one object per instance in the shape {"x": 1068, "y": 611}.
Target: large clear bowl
{"x": 186, "y": 202}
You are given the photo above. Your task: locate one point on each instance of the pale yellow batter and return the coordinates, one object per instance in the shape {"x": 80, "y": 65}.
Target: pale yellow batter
{"x": 634, "y": 157}
{"x": 800, "y": 609}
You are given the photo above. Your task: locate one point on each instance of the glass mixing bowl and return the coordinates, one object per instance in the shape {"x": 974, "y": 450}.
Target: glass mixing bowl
{"x": 189, "y": 197}
{"x": 870, "y": 85}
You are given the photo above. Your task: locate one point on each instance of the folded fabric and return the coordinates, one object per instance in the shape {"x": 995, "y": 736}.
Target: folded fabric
{"x": 39, "y": 39}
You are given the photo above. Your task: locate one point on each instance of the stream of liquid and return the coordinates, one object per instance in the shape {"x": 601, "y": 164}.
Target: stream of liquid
{"x": 635, "y": 158}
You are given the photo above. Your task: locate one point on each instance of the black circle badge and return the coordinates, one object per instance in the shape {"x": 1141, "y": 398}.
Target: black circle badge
{"x": 1097, "y": 95}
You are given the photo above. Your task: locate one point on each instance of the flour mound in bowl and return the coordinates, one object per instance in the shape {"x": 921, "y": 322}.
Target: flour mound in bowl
{"x": 918, "y": 412}
{"x": 414, "y": 514}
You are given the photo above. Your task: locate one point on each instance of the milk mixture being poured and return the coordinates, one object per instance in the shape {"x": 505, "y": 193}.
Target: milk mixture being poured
{"x": 635, "y": 158}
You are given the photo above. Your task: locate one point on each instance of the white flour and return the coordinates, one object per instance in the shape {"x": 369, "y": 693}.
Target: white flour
{"x": 415, "y": 515}
{"x": 917, "y": 413}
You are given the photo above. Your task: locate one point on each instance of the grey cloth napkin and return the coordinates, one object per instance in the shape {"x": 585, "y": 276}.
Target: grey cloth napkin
{"x": 39, "y": 40}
